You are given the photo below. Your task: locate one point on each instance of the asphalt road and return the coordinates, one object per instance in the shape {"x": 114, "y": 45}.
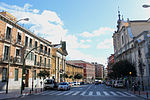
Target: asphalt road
{"x": 84, "y": 92}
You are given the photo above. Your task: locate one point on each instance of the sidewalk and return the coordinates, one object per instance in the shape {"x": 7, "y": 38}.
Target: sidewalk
{"x": 143, "y": 94}
{"x": 16, "y": 93}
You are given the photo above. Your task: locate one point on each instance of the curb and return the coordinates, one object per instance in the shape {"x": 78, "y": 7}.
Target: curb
{"x": 139, "y": 95}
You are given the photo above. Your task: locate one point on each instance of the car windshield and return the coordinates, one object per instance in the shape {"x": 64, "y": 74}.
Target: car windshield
{"x": 48, "y": 81}
{"x": 62, "y": 83}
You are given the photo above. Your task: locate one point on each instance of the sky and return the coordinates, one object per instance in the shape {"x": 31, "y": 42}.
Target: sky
{"x": 87, "y": 26}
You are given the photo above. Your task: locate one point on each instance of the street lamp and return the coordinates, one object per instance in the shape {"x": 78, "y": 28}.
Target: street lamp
{"x": 24, "y": 59}
{"x": 25, "y": 19}
{"x": 145, "y": 6}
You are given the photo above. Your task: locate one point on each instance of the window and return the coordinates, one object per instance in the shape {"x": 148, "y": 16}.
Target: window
{"x": 34, "y": 73}
{"x": 49, "y": 51}
{"x": 35, "y": 58}
{"x": 4, "y": 74}
{"x": 41, "y": 48}
{"x": 16, "y": 74}
{"x": 45, "y": 49}
{"x": 45, "y": 62}
{"x": 26, "y": 41}
{"x": 49, "y": 63}
{"x": 6, "y": 51}
{"x": 36, "y": 45}
{"x": 17, "y": 52}
{"x": 8, "y": 33}
{"x": 40, "y": 60}
{"x": 19, "y": 37}
{"x": 30, "y": 45}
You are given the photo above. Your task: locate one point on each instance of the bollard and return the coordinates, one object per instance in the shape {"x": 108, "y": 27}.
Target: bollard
{"x": 30, "y": 91}
{"x": 147, "y": 94}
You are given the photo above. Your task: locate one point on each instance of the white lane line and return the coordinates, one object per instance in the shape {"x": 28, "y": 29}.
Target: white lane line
{"x": 69, "y": 92}
{"x": 48, "y": 92}
{"x": 98, "y": 93}
{"x": 55, "y": 92}
{"x": 83, "y": 93}
{"x": 113, "y": 93}
{"x": 91, "y": 93}
{"x": 77, "y": 92}
{"x": 105, "y": 93}
{"x": 129, "y": 94}
{"x": 62, "y": 93}
{"x": 41, "y": 93}
{"x": 121, "y": 93}
{"x": 88, "y": 87}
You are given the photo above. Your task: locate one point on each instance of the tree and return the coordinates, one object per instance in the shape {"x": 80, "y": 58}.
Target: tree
{"x": 78, "y": 76}
{"x": 65, "y": 75}
{"x": 43, "y": 74}
{"x": 122, "y": 69}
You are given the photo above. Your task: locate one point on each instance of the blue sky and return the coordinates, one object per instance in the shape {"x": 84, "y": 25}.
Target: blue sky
{"x": 86, "y": 25}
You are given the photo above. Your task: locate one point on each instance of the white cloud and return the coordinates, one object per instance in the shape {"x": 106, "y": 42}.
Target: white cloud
{"x": 88, "y": 40}
{"x": 106, "y": 44}
{"x": 48, "y": 24}
{"x": 100, "y": 31}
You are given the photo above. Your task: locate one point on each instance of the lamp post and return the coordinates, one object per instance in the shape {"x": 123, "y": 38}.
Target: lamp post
{"x": 145, "y": 6}
{"x": 25, "y": 19}
{"x": 23, "y": 67}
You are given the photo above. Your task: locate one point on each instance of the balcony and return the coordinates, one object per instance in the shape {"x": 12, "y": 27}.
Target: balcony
{"x": 7, "y": 37}
{"x": 17, "y": 59}
{"x": 5, "y": 59}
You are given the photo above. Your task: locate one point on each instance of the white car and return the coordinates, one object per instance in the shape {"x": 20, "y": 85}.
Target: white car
{"x": 118, "y": 83}
{"x": 49, "y": 84}
{"x": 63, "y": 86}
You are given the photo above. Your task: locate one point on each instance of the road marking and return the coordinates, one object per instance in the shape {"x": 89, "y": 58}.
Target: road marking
{"x": 55, "y": 92}
{"x": 129, "y": 94}
{"x": 121, "y": 93}
{"x": 77, "y": 92}
{"x": 69, "y": 92}
{"x": 106, "y": 93}
{"x": 83, "y": 93}
{"x": 113, "y": 93}
{"x": 47, "y": 92}
{"x": 88, "y": 87}
{"x": 98, "y": 93}
{"x": 40, "y": 93}
{"x": 90, "y": 93}
{"x": 61, "y": 93}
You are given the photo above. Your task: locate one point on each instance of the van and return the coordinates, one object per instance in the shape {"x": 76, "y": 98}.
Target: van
{"x": 49, "y": 84}
{"x": 118, "y": 83}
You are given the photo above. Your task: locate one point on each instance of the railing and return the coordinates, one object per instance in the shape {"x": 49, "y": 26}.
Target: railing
{"x": 17, "y": 59}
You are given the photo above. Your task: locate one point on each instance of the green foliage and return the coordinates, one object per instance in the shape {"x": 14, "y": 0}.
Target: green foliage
{"x": 43, "y": 74}
{"x": 122, "y": 69}
{"x": 78, "y": 76}
{"x": 70, "y": 76}
{"x": 65, "y": 75}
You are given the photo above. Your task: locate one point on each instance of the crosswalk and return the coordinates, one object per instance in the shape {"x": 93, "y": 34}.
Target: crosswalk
{"x": 88, "y": 93}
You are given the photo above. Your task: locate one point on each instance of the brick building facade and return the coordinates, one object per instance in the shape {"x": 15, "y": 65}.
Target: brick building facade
{"x": 88, "y": 70}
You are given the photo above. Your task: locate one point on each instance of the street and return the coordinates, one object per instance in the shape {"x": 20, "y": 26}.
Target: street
{"x": 83, "y": 92}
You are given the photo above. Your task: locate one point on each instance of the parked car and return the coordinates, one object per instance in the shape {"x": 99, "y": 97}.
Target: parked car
{"x": 63, "y": 86}
{"x": 81, "y": 83}
{"x": 49, "y": 84}
{"x": 118, "y": 83}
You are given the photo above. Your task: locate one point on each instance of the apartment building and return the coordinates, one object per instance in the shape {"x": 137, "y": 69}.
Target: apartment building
{"x": 110, "y": 63}
{"x": 99, "y": 70}
{"x": 59, "y": 61}
{"x": 131, "y": 42}
{"x": 18, "y": 41}
{"x": 88, "y": 70}
{"x": 72, "y": 70}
